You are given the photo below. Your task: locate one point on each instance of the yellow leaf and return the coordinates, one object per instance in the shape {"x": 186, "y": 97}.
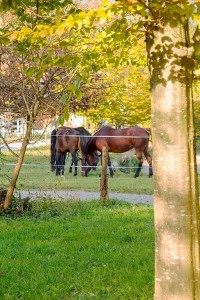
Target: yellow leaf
{"x": 59, "y": 31}
{"x": 25, "y": 31}
{"x": 43, "y": 33}
{"x": 58, "y": 21}
{"x": 105, "y": 2}
{"x": 13, "y": 36}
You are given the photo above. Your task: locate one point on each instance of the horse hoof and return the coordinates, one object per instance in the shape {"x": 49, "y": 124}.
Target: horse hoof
{"x": 75, "y": 174}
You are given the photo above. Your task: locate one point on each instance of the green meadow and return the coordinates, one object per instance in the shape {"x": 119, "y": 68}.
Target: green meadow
{"x": 36, "y": 174}
{"x": 73, "y": 249}
{"x": 77, "y": 250}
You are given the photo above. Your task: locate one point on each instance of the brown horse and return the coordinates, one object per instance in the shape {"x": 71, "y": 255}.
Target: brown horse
{"x": 119, "y": 141}
{"x": 67, "y": 140}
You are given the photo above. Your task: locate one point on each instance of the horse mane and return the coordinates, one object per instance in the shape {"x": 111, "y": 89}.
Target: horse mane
{"x": 84, "y": 138}
{"x": 91, "y": 145}
{"x": 82, "y": 130}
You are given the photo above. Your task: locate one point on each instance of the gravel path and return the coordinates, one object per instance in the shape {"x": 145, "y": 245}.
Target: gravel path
{"x": 85, "y": 196}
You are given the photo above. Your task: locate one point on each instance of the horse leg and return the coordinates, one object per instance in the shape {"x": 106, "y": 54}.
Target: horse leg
{"x": 140, "y": 163}
{"x": 58, "y": 159}
{"x": 63, "y": 164}
{"x": 83, "y": 173}
{"x": 70, "y": 168}
{"x": 84, "y": 166}
{"x": 109, "y": 166}
{"x": 57, "y": 170}
{"x": 53, "y": 160}
{"x": 75, "y": 162}
{"x": 53, "y": 150}
{"x": 149, "y": 160}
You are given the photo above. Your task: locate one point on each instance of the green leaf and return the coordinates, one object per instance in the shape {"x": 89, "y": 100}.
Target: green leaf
{"x": 61, "y": 120}
{"x": 77, "y": 82}
{"x": 32, "y": 71}
{"x": 79, "y": 95}
{"x": 56, "y": 122}
{"x": 71, "y": 87}
{"x": 64, "y": 98}
{"x": 66, "y": 115}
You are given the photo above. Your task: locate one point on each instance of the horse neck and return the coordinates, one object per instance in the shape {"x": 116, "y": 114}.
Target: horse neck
{"x": 82, "y": 131}
{"x": 83, "y": 139}
{"x": 91, "y": 145}
{"x": 83, "y": 145}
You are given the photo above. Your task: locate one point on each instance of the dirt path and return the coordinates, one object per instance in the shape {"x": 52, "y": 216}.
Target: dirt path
{"x": 85, "y": 196}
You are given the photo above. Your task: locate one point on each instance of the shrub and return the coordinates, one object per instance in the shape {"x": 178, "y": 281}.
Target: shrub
{"x": 127, "y": 164}
{"x": 18, "y": 207}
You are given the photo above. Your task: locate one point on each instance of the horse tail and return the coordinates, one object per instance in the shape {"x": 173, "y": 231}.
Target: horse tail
{"x": 53, "y": 149}
{"x": 149, "y": 159}
{"x": 148, "y": 130}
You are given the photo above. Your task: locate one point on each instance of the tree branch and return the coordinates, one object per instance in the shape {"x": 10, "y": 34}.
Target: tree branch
{"x": 6, "y": 144}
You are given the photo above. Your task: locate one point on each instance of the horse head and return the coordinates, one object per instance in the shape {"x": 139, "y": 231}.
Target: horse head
{"x": 91, "y": 161}
{"x": 90, "y": 155}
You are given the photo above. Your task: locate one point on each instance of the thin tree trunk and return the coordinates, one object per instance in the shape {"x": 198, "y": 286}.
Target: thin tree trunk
{"x": 18, "y": 165}
{"x": 176, "y": 205}
{"x": 104, "y": 177}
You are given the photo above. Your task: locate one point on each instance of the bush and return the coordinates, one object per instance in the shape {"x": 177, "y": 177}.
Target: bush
{"x": 127, "y": 164}
{"x": 17, "y": 208}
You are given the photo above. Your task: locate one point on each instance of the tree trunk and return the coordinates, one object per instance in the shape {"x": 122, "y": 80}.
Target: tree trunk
{"x": 104, "y": 177}
{"x": 177, "y": 223}
{"x": 18, "y": 165}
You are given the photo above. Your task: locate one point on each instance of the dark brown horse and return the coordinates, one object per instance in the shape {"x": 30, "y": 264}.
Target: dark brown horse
{"x": 67, "y": 140}
{"x": 119, "y": 141}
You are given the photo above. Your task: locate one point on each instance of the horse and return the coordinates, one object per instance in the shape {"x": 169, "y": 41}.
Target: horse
{"x": 119, "y": 141}
{"x": 67, "y": 140}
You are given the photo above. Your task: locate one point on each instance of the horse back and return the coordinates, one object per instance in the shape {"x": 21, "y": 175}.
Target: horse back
{"x": 83, "y": 131}
{"x": 119, "y": 140}
{"x": 67, "y": 139}
{"x": 140, "y": 138}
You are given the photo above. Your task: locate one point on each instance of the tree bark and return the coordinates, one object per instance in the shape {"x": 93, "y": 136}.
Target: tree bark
{"x": 176, "y": 204}
{"x": 18, "y": 165}
{"x": 104, "y": 177}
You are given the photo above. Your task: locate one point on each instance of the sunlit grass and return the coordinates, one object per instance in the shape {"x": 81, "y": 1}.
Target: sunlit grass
{"x": 78, "y": 250}
{"x": 35, "y": 174}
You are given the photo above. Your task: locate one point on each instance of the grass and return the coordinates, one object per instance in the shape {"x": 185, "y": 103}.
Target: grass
{"x": 36, "y": 174}
{"x": 76, "y": 250}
